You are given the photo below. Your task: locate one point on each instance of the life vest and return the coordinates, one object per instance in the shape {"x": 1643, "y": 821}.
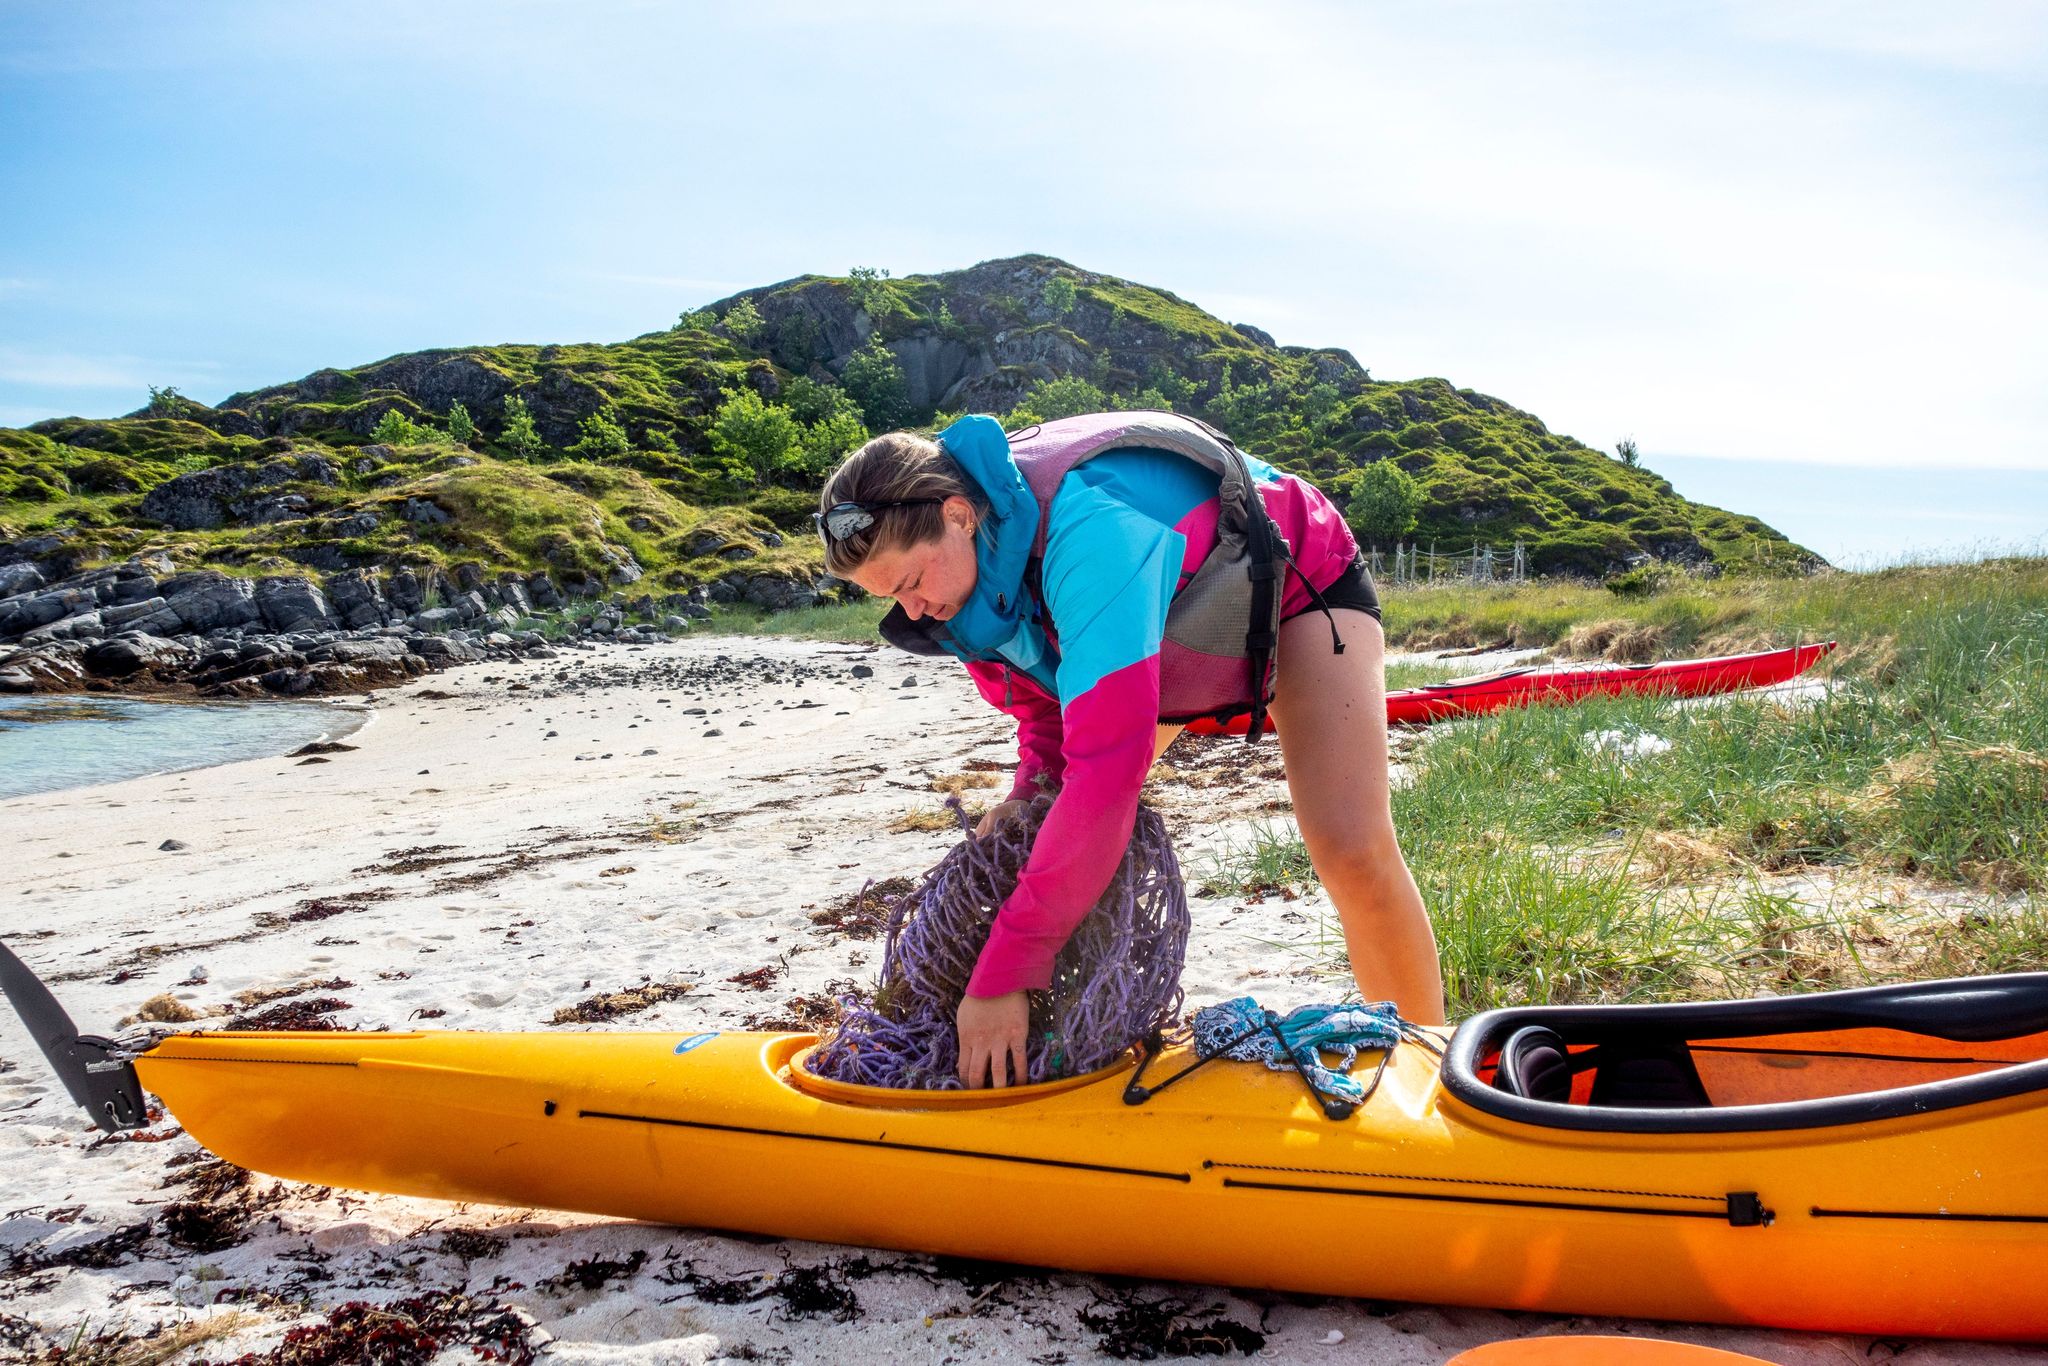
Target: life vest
{"x": 1223, "y": 625}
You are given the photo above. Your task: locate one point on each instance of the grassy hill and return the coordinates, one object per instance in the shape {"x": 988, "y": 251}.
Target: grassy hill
{"x": 677, "y": 455}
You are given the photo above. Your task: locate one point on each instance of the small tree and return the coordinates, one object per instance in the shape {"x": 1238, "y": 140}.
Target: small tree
{"x": 1243, "y": 410}
{"x": 167, "y": 401}
{"x": 875, "y": 381}
{"x": 754, "y": 436}
{"x": 870, "y": 289}
{"x": 743, "y": 322}
{"x": 826, "y": 442}
{"x": 396, "y": 429}
{"x": 810, "y": 402}
{"x": 461, "y": 429}
{"x": 1319, "y": 405}
{"x": 603, "y": 436}
{"x": 1386, "y": 504}
{"x": 519, "y": 435}
{"x": 1059, "y": 295}
{"x": 1627, "y": 453}
{"x": 1052, "y": 399}
{"x": 696, "y": 320}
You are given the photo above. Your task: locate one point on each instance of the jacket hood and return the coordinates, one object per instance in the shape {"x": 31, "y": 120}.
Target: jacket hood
{"x": 1003, "y": 545}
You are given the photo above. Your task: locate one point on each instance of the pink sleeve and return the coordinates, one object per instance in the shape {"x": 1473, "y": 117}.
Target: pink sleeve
{"x": 1038, "y": 723}
{"x": 1109, "y": 737}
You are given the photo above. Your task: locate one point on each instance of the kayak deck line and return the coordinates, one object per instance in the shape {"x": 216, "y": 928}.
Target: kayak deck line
{"x": 161, "y": 1056}
{"x": 1856, "y": 1056}
{"x": 1465, "y": 1181}
{"x": 756, "y": 1132}
{"x": 1950, "y": 1216}
{"x": 1740, "y": 1209}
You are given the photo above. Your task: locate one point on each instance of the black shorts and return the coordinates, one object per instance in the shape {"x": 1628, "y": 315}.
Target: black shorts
{"x": 1353, "y": 588}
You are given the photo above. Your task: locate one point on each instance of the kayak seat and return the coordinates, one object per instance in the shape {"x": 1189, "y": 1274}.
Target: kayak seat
{"x": 1536, "y": 1065}
{"x": 1652, "y": 1077}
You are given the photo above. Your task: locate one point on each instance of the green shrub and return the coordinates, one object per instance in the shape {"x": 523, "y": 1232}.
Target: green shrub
{"x": 743, "y": 322}
{"x": 1059, "y": 295}
{"x": 753, "y": 437}
{"x": 396, "y": 429}
{"x": 870, "y": 289}
{"x": 1052, "y": 399}
{"x": 461, "y": 429}
{"x": 1385, "y": 502}
{"x": 603, "y": 436}
{"x": 519, "y": 435}
{"x": 875, "y": 381}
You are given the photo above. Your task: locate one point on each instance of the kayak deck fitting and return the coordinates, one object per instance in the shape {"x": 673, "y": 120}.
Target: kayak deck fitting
{"x": 1870, "y": 1161}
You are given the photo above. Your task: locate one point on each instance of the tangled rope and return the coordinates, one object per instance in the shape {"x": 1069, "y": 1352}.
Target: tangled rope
{"x": 1117, "y": 979}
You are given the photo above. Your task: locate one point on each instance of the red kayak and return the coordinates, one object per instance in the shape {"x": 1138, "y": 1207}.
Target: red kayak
{"x": 1532, "y": 684}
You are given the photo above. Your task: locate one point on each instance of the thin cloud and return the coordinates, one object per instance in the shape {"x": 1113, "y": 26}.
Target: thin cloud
{"x": 63, "y": 370}
{"x": 686, "y": 282}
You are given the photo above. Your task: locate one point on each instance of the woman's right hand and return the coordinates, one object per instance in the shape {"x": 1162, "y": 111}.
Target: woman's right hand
{"x": 997, "y": 814}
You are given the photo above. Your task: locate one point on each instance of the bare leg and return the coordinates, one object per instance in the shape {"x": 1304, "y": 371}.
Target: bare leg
{"x": 1163, "y": 737}
{"x": 1331, "y": 712}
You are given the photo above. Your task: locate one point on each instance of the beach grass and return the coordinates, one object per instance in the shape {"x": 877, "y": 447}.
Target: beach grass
{"x": 1624, "y": 848}
{"x": 852, "y": 623}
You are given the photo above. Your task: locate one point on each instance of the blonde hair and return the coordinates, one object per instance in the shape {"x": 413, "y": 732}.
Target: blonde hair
{"x": 895, "y": 467}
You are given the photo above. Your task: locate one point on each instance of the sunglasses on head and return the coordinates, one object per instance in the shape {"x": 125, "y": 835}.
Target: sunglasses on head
{"x": 841, "y": 520}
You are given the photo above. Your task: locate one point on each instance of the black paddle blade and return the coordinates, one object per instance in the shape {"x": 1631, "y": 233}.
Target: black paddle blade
{"x": 105, "y": 1084}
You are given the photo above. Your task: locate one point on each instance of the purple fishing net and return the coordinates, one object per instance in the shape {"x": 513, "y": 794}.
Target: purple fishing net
{"x": 1117, "y": 979}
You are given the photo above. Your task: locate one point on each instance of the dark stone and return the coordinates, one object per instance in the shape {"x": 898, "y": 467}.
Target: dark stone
{"x": 129, "y": 654}
{"x": 19, "y": 578}
{"x": 20, "y": 615}
{"x": 405, "y": 591}
{"x": 358, "y": 598}
{"x": 206, "y": 601}
{"x": 288, "y": 603}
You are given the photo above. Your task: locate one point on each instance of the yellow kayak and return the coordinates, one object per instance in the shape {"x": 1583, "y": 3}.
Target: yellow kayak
{"x": 1870, "y": 1161}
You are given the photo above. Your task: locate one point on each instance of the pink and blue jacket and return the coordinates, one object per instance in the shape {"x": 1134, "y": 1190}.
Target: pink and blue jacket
{"x": 1068, "y": 634}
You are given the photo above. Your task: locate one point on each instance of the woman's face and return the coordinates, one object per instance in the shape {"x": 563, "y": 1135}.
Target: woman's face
{"x": 934, "y": 579}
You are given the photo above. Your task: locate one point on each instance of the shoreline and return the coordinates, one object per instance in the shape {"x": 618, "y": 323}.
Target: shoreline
{"x": 336, "y": 730}
{"x": 508, "y": 842}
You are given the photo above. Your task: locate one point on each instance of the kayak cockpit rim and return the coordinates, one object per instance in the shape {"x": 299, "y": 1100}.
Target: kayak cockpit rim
{"x": 1962, "y": 1010}
{"x": 785, "y": 1057}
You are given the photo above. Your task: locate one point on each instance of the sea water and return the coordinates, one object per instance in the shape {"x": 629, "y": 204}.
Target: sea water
{"x": 47, "y": 743}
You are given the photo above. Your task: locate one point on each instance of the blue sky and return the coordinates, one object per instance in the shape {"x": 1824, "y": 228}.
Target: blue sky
{"x": 1793, "y": 249}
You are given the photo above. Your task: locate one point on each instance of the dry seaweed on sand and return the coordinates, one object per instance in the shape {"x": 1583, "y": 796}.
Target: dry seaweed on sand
{"x": 471, "y": 1245}
{"x": 216, "y": 1208}
{"x": 116, "y": 1247}
{"x": 805, "y": 1291}
{"x": 314, "y": 1013}
{"x": 407, "y": 1332}
{"x": 863, "y": 914}
{"x": 757, "y": 979}
{"x": 1131, "y": 1328}
{"x": 592, "y": 1273}
{"x": 610, "y": 1005}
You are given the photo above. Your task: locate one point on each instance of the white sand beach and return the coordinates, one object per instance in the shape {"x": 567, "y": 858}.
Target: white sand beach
{"x": 504, "y": 842}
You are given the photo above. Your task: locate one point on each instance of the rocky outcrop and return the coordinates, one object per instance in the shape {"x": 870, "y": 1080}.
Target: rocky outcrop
{"x": 206, "y": 499}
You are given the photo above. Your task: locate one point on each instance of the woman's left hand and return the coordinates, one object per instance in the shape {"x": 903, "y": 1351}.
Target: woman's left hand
{"x": 992, "y": 1034}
